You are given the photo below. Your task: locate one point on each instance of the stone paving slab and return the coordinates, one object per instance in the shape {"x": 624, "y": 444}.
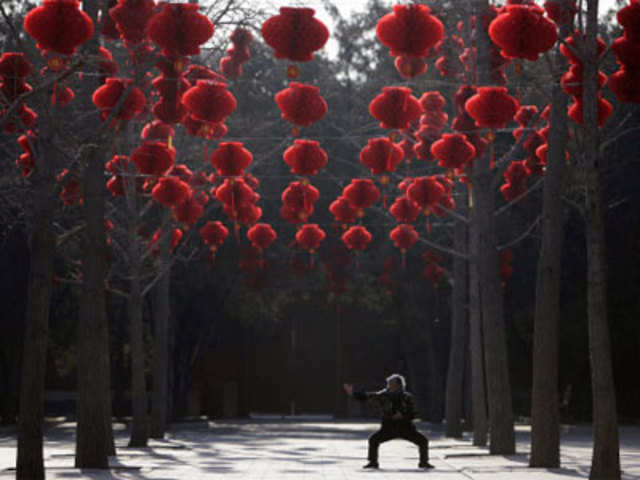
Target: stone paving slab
{"x": 310, "y": 451}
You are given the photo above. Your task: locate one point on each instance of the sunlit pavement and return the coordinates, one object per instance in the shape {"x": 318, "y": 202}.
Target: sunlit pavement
{"x": 310, "y": 451}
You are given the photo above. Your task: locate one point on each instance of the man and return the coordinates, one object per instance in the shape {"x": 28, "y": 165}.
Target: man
{"x": 397, "y": 414}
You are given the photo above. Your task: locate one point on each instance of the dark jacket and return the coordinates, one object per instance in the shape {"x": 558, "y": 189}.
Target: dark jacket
{"x": 391, "y": 403}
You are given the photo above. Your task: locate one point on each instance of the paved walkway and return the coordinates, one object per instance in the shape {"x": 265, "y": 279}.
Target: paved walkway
{"x": 310, "y": 451}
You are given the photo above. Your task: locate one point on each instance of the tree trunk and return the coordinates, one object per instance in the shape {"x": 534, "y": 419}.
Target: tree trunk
{"x": 605, "y": 462}
{"x": 455, "y": 372}
{"x": 545, "y": 427}
{"x": 159, "y": 401}
{"x": 478, "y": 386}
{"x": 139, "y": 422}
{"x": 30, "y": 462}
{"x": 502, "y": 438}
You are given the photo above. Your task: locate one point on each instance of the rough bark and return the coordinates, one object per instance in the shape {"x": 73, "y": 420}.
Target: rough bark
{"x": 139, "y": 422}
{"x": 502, "y": 438}
{"x": 455, "y": 372}
{"x": 545, "y": 426}
{"x": 476, "y": 347}
{"x": 30, "y": 463}
{"x": 605, "y": 462}
{"x": 93, "y": 440}
{"x": 159, "y": 400}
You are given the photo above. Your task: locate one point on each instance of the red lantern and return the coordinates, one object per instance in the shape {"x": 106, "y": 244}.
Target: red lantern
{"x": 261, "y": 235}
{"x": 604, "y": 110}
{"x": 561, "y": 11}
{"x": 433, "y": 273}
{"x": 59, "y": 26}
{"x": 624, "y": 84}
{"x": 571, "y": 47}
{"x": 357, "y": 238}
{"x": 305, "y": 157}
{"x": 426, "y": 192}
{"x": 179, "y": 29}
{"x": 157, "y": 131}
{"x": 492, "y": 107}
{"x": 14, "y": 65}
{"x": 505, "y": 259}
{"x": 170, "y": 191}
{"x": 410, "y": 67}
{"x": 209, "y": 101}
{"x": 525, "y": 114}
{"x": 235, "y": 193}
{"x": 231, "y": 159}
{"x": 309, "y": 237}
{"x": 153, "y": 158}
{"x": 410, "y": 30}
{"x": 343, "y": 211}
{"x": 395, "y": 107}
{"x": 176, "y": 236}
{"x": 295, "y": 34}
{"x": 301, "y": 104}
{"x": 453, "y": 150}
{"x": 188, "y": 211}
{"x": 108, "y": 95}
{"x": 247, "y": 214}
{"x": 300, "y": 197}
{"x": 426, "y": 136}
{"x": 629, "y": 19}
{"x": 404, "y": 210}
{"x": 362, "y": 193}
{"x": 404, "y": 237}
{"x": 207, "y": 130}
{"x": 214, "y": 234}
{"x": 131, "y": 18}
{"x": 522, "y": 31}
{"x": 62, "y": 96}
{"x": 381, "y": 156}
{"x": 627, "y": 52}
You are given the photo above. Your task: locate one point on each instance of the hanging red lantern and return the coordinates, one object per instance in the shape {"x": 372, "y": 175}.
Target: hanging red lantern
{"x": 295, "y": 34}
{"x": 309, "y": 237}
{"x": 381, "y": 156}
{"x": 505, "y": 259}
{"x": 301, "y": 104}
{"x": 235, "y": 193}
{"x": 170, "y": 191}
{"x": 343, "y": 211}
{"x": 404, "y": 210}
{"x": 181, "y": 171}
{"x": 157, "y": 131}
{"x": 433, "y": 273}
{"x": 604, "y": 111}
{"x": 153, "y": 158}
{"x": 179, "y": 29}
{"x": 300, "y": 198}
{"x": 561, "y": 11}
{"x": 410, "y": 67}
{"x": 214, "y": 234}
{"x": 305, "y": 157}
{"x": 522, "y": 31}
{"x": 357, "y": 238}
{"x": 231, "y": 159}
{"x": 395, "y": 107}
{"x": 627, "y": 52}
{"x": 207, "y": 130}
{"x": 247, "y": 214}
{"x": 188, "y": 211}
{"x": 404, "y": 237}
{"x": 629, "y": 19}
{"x": 131, "y": 18}
{"x": 14, "y": 65}
{"x": 410, "y": 30}
{"x": 209, "y": 101}
{"x": 426, "y": 192}
{"x": 492, "y": 107}
{"x": 571, "y": 50}
{"x": 624, "y": 84}
{"x": 426, "y": 136}
{"x": 176, "y": 236}
{"x": 261, "y": 236}
{"x": 362, "y": 193}
{"x": 59, "y": 26}
{"x": 106, "y": 97}
{"x": 453, "y": 150}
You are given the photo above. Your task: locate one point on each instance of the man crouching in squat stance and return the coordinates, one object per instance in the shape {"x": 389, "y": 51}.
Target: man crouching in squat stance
{"x": 397, "y": 414}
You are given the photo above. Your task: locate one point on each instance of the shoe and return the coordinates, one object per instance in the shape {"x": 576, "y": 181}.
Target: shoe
{"x": 425, "y": 465}
{"x": 371, "y": 465}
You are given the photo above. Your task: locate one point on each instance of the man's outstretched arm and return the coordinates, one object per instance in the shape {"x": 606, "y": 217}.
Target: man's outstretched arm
{"x": 360, "y": 396}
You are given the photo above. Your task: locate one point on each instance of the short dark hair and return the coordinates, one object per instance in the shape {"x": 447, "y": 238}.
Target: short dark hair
{"x": 396, "y": 377}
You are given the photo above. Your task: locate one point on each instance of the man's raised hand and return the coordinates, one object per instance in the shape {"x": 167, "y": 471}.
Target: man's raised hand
{"x": 348, "y": 388}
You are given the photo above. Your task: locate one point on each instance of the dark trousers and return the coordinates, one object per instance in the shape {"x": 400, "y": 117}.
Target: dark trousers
{"x": 406, "y": 432}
